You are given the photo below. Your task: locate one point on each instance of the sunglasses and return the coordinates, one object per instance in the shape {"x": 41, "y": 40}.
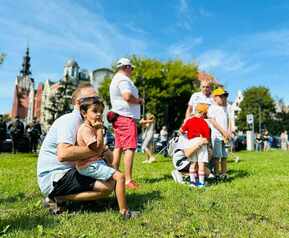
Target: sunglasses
{"x": 93, "y": 99}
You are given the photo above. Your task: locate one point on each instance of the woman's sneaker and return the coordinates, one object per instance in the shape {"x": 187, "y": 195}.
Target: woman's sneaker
{"x": 177, "y": 176}
{"x": 193, "y": 184}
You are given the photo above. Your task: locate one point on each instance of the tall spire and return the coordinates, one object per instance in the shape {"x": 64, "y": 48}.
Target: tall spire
{"x": 26, "y": 64}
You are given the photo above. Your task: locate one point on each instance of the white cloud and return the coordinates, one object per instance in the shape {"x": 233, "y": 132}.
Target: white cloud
{"x": 220, "y": 59}
{"x": 184, "y": 49}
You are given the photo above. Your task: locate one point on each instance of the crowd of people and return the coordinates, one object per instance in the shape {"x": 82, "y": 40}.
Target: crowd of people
{"x": 75, "y": 164}
{"x": 20, "y": 137}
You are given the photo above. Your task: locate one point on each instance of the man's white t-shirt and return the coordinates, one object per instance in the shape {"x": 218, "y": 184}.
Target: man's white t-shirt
{"x": 221, "y": 115}
{"x": 119, "y": 85}
{"x": 199, "y": 97}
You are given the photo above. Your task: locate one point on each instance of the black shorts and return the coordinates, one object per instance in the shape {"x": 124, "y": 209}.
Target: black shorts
{"x": 72, "y": 182}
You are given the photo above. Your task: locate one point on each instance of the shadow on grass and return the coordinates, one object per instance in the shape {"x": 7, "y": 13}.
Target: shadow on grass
{"x": 11, "y": 199}
{"x": 136, "y": 201}
{"x": 23, "y": 222}
{"x": 156, "y": 180}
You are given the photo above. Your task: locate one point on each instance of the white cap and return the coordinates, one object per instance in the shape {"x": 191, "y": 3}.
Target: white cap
{"x": 123, "y": 62}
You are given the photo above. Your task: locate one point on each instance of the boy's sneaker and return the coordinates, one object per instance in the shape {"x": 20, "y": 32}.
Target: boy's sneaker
{"x": 201, "y": 185}
{"x": 131, "y": 185}
{"x": 130, "y": 214}
{"x": 193, "y": 184}
{"x": 177, "y": 176}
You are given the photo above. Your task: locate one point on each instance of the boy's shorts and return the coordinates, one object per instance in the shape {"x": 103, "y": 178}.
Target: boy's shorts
{"x": 201, "y": 155}
{"x": 219, "y": 150}
{"x": 98, "y": 170}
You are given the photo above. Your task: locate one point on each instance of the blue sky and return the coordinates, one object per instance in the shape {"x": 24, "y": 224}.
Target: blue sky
{"x": 242, "y": 43}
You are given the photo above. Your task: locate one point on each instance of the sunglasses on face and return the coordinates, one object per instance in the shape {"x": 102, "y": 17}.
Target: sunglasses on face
{"x": 129, "y": 67}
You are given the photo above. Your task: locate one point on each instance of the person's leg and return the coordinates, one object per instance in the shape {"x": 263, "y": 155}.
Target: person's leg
{"x": 120, "y": 191}
{"x": 224, "y": 166}
{"x": 100, "y": 190}
{"x": 116, "y": 157}
{"x": 128, "y": 163}
{"x": 201, "y": 173}
{"x": 193, "y": 173}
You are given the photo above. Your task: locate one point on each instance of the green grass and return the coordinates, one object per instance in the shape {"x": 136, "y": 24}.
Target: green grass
{"x": 253, "y": 203}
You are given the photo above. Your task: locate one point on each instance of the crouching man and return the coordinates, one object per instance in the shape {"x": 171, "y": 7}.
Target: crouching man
{"x": 182, "y": 154}
{"x": 57, "y": 177}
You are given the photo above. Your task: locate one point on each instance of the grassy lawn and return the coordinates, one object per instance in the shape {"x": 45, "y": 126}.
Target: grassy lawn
{"x": 253, "y": 203}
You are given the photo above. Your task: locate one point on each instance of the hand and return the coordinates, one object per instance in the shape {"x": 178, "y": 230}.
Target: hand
{"x": 98, "y": 124}
{"x": 141, "y": 101}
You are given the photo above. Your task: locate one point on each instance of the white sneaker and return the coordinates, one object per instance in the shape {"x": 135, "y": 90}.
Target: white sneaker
{"x": 211, "y": 176}
{"x": 177, "y": 176}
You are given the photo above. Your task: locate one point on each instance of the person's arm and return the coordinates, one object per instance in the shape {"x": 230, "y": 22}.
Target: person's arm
{"x": 127, "y": 96}
{"x": 218, "y": 127}
{"x": 190, "y": 151}
{"x": 68, "y": 152}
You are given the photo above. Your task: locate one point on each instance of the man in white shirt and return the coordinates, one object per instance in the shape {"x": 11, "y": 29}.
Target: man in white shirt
{"x": 57, "y": 177}
{"x": 125, "y": 101}
{"x": 204, "y": 96}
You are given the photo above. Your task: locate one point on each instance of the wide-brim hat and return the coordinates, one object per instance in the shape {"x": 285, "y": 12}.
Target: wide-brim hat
{"x": 180, "y": 161}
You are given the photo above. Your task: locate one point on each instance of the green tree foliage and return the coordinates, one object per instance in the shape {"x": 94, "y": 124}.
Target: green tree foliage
{"x": 255, "y": 99}
{"x": 166, "y": 87}
{"x": 60, "y": 102}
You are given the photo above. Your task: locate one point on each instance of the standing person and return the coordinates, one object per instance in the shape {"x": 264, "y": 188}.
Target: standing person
{"x": 17, "y": 133}
{"x": 221, "y": 132}
{"x": 204, "y": 96}
{"x": 266, "y": 138}
{"x": 259, "y": 142}
{"x": 125, "y": 101}
{"x": 164, "y": 139}
{"x": 35, "y": 133}
{"x": 3, "y": 131}
{"x": 90, "y": 134}
{"x": 58, "y": 178}
{"x": 284, "y": 140}
{"x": 149, "y": 124}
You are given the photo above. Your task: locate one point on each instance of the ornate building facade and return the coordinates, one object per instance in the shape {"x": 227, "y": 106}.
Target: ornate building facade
{"x": 29, "y": 103}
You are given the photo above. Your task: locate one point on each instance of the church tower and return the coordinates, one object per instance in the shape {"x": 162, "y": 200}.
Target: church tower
{"x": 24, "y": 91}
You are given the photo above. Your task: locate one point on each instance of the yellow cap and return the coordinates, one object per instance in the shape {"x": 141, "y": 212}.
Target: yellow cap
{"x": 202, "y": 108}
{"x": 219, "y": 92}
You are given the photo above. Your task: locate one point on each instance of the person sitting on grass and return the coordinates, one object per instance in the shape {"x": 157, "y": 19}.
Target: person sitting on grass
{"x": 57, "y": 176}
{"x": 90, "y": 134}
{"x": 196, "y": 128}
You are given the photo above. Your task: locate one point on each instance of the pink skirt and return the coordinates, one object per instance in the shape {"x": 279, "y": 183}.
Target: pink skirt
{"x": 125, "y": 133}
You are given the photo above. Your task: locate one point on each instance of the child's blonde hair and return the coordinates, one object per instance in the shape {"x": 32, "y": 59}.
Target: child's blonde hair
{"x": 202, "y": 108}
{"x": 150, "y": 116}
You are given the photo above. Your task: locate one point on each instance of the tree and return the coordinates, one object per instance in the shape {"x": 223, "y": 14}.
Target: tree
{"x": 166, "y": 87}
{"x": 257, "y": 101}
{"x": 60, "y": 102}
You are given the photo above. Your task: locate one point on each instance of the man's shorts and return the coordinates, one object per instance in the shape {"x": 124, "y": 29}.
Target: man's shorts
{"x": 201, "y": 155}
{"x": 72, "y": 182}
{"x": 98, "y": 170}
{"x": 219, "y": 150}
{"x": 125, "y": 133}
